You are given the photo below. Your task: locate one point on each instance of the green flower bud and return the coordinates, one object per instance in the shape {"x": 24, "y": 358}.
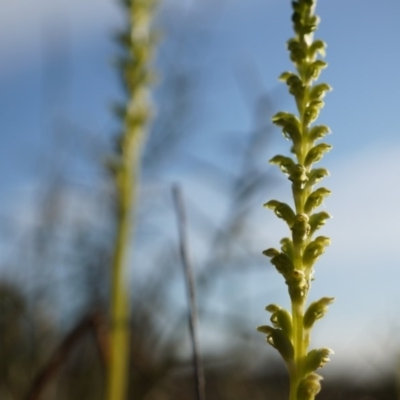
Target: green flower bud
{"x": 311, "y": 25}
{"x": 272, "y": 308}
{"x": 317, "y": 220}
{"x": 300, "y": 227}
{"x": 296, "y": 19}
{"x": 283, "y": 320}
{"x": 282, "y": 210}
{"x": 265, "y": 329}
{"x": 298, "y": 175}
{"x": 280, "y": 318}
{"x": 286, "y": 164}
{"x": 317, "y": 174}
{"x": 297, "y": 50}
{"x": 296, "y": 86}
{"x": 318, "y": 91}
{"x": 274, "y": 320}
{"x": 312, "y": 111}
{"x": 315, "y": 199}
{"x": 318, "y": 132}
{"x": 290, "y": 125}
{"x": 278, "y": 339}
{"x": 303, "y": 22}
{"x": 271, "y": 252}
{"x": 316, "y": 310}
{"x": 317, "y": 359}
{"x": 317, "y": 47}
{"x": 309, "y": 387}
{"x": 284, "y": 76}
{"x": 316, "y": 153}
{"x": 287, "y": 247}
{"x": 314, "y": 250}
{"x": 282, "y": 263}
{"x": 314, "y": 69}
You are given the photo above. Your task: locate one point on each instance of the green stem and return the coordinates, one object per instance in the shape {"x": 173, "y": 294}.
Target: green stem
{"x": 119, "y": 346}
{"x": 135, "y": 70}
{"x": 300, "y": 349}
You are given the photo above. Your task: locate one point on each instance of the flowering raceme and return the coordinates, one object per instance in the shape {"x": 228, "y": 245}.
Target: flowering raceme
{"x": 290, "y": 331}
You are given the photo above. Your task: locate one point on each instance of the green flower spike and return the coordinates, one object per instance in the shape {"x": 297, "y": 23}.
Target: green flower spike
{"x": 137, "y": 43}
{"x": 290, "y": 331}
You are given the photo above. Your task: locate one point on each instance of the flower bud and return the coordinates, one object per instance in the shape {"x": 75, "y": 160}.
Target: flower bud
{"x": 265, "y": 329}
{"x": 285, "y": 163}
{"x": 314, "y": 250}
{"x": 287, "y": 247}
{"x": 297, "y": 50}
{"x": 315, "y": 199}
{"x": 318, "y": 132}
{"x": 309, "y": 387}
{"x": 317, "y": 174}
{"x": 318, "y": 91}
{"x": 290, "y": 125}
{"x": 284, "y": 321}
{"x": 278, "y": 339}
{"x": 317, "y": 47}
{"x": 316, "y": 310}
{"x": 316, "y": 153}
{"x": 282, "y": 263}
{"x": 314, "y": 69}
{"x": 311, "y": 25}
{"x": 271, "y": 252}
{"x": 317, "y": 359}
{"x": 282, "y": 210}
{"x": 317, "y": 220}
{"x": 296, "y": 86}
{"x": 272, "y": 308}
{"x": 312, "y": 111}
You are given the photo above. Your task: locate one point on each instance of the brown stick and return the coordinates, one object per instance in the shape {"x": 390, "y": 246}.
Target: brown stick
{"x": 190, "y": 287}
{"x": 91, "y": 323}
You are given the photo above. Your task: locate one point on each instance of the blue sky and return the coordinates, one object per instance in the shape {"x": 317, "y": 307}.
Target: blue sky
{"x": 362, "y": 266}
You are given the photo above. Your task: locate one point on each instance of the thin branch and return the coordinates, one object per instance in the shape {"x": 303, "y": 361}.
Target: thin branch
{"x": 190, "y": 287}
{"x": 91, "y": 323}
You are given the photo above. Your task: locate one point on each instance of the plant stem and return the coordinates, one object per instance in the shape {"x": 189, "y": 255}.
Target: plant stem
{"x": 300, "y": 350}
{"x": 191, "y": 293}
{"x": 117, "y": 379}
{"x": 137, "y": 42}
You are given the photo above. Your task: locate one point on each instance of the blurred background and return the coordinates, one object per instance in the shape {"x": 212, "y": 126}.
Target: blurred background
{"x": 218, "y": 63}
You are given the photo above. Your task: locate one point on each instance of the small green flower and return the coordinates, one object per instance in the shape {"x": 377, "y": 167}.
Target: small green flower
{"x": 317, "y": 359}
{"x": 316, "y": 311}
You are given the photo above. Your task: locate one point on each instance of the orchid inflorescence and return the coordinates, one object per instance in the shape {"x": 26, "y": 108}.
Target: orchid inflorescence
{"x": 135, "y": 67}
{"x": 290, "y": 331}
